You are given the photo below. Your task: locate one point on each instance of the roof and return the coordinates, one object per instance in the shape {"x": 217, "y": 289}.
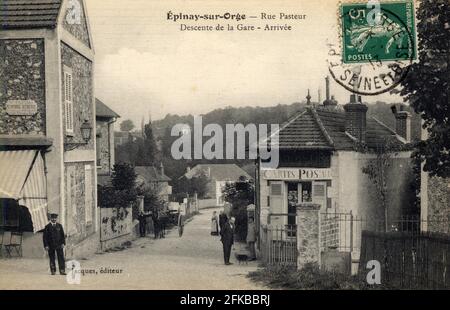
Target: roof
{"x": 151, "y": 174}
{"x": 324, "y": 128}
{"x": 29, "y": 13}
{"x": 219, "y": 172}
{"x": 102, "y": 110}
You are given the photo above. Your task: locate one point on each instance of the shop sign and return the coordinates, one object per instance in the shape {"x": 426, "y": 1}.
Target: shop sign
{"x": 297, "y": 174}
{"x": 21, "y": 107}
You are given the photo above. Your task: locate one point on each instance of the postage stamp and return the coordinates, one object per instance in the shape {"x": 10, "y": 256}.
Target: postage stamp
{"x": 377, "y": 45}
{"x": 378, "y": 31}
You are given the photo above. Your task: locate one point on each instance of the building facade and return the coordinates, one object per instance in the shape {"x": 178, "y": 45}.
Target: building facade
{"x": 155, "y": 179}
{"x": 104, "y": 120}
{"x": 47, "y": 106}
{"x": 323, "y": 151}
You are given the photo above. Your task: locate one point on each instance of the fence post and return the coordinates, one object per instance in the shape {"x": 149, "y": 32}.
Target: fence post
{"x": 308, "y": 234}
{"x": 351, "y": 231}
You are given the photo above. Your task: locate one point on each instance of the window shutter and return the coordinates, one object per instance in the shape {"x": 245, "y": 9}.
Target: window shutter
{"x": 319, "y": 194}
{"x": 276, "y": 202}
{"x": 68, "y": 101}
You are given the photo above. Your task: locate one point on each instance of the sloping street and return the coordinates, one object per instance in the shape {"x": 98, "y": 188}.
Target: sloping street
{"x": 194, "y": 261}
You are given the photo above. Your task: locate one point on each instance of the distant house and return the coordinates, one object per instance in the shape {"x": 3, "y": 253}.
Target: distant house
{"x": 104, "y": 120}
{"x": 219, "y": 175}
{"x": 122, "y": 137}
{"x": 155, "y": 178}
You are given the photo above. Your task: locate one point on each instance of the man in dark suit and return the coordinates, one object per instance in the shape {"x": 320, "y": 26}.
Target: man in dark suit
{"x": 227, "y": 234}
{"x": 223, "y": 218}
{"x": 54, "y": 242}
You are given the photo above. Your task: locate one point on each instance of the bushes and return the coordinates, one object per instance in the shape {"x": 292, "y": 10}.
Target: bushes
{"x": 308, "y": 278}
{"x": 123, "y": 191}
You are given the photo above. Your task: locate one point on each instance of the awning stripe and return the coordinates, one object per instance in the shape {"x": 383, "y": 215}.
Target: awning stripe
{"x": 14, "y": 168}
{"x": 36, "y": 186}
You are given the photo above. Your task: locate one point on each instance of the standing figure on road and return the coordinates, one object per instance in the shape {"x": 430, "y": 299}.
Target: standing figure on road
{"x": 54, "y": 242}
{"x": 214, "y": 225}
{"x": 162, "y": 219}
{"x": 180, "y": 224}
{"x": 222, "y": 219}
{"x": 142, "y": 217}
{"x": 227, "y": 234}
{"x": 251, "y": 238}
{"x": 155, "y": 223}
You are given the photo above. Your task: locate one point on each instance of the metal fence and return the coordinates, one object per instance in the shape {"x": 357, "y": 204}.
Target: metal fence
{"x": 279, "y": 245}
{"x": 408, "y": 260}
{"x": 343, "y": 231}
{"x": 339, "y": 231}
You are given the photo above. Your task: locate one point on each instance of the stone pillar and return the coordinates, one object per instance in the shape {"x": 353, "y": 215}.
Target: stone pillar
{"x": 308, "y": 234}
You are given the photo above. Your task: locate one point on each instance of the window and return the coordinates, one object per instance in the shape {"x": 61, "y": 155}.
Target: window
{"x": 68, "y": 100}
{"x": 88, "y": 192}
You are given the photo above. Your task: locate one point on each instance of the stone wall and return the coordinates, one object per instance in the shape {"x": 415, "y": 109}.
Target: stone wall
{"x": 116, "y": 224}
{"x": 83, "y": 101}
{"x": 439, "y": 204}
{"x": 103, "y": 147}
{"x": 22, "y": 77}
{"x": 78, "y": 28}
{"x": 308, "y": 231}
{"x": 77, "y": 228}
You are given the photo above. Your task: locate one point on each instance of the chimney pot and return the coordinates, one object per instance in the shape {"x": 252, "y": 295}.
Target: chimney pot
{"x": 355, "y": 119}
{"x": 403, "y": 124}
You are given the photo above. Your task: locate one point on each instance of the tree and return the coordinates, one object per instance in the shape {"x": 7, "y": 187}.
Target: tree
{"x": 377, "y": 172}
{"x": 127, "y": 125}
{"x": 240, "y": 194}
{"x": 123, "y": 191}
{"x": 426, "y": 87}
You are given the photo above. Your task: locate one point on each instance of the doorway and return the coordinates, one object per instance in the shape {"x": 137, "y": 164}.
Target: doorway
{"x": 297, "y": 192}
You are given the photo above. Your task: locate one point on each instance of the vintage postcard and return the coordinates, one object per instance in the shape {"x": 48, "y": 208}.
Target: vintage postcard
{"x": 224, "y": 145}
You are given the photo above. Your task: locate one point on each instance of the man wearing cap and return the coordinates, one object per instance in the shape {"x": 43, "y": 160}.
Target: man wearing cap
{"x": 54, "y": 242}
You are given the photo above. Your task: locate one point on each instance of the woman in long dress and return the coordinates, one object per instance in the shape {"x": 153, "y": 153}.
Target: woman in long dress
{"x": 214, "y": 225}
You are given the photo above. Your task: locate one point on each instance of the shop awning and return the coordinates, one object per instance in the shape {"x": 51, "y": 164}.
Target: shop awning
{"x": 23, "y": 179}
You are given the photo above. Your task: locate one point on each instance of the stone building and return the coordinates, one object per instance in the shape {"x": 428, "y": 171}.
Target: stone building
{"x": 322, "y": 153}
{"x": 219, "y": 175}
{"x": 154, "y": 178}
{"x": 47, "y": 118}
{"x": 104, "y": 120}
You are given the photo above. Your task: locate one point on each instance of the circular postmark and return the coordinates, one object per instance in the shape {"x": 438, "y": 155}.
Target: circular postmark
{"x": 376, "y": 50}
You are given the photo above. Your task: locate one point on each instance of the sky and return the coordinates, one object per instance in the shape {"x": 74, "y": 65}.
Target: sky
{"x": 146, "y": 66}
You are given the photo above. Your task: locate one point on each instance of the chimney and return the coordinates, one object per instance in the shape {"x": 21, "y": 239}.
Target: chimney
{"x": 308, "y": 98}
{"x": 329, "y": 101}
{"x": 402, "y": 123}
{"x": 355, "y": 118}
{"x": 162, "y": 168}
